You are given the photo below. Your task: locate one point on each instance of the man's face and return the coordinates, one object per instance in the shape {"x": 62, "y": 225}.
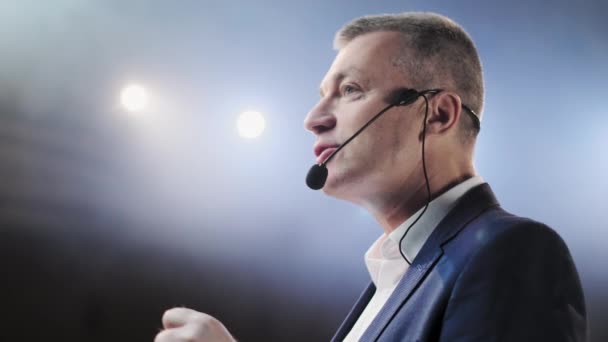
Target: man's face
{"x": 386, "y": 154}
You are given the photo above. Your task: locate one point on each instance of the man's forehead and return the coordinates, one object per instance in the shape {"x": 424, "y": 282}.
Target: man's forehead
{"x": 365, "y": 57}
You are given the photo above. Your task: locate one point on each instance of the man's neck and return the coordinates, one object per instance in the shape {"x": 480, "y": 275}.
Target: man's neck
{"x": 398, "y": 207}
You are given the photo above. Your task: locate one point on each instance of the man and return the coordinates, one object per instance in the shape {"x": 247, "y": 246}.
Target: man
{"x": 459, "y": 268}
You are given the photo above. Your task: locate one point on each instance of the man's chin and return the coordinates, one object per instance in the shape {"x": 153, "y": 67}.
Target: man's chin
{"x": 331, "y": 188}
{"x": 338, "y": 188}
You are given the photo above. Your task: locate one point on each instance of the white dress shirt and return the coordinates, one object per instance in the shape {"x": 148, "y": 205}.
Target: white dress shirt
{"x": 386, "y": 265}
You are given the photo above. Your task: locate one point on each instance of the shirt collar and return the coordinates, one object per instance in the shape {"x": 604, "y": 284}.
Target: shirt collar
{"x": 437, "y": 211}
{"x": 385, "y": 249}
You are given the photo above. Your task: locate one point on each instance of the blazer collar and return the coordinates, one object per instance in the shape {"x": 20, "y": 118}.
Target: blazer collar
{"x": 469, "y": 206}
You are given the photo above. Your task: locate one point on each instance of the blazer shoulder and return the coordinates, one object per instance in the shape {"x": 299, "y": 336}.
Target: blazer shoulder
{"x": 518, "y": 275}
{"x": 497, "y": 224}
{"x": 497, "y": 232}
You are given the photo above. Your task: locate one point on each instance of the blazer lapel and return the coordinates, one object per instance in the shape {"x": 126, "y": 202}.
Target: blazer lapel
{"x": 471, "y": 205}
{"x": 354, "y": 313}
{"x": 413, "y": 276}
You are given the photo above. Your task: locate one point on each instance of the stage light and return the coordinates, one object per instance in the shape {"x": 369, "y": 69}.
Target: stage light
{"x": 250, "y": 124}
{"x": 134, "y": 98}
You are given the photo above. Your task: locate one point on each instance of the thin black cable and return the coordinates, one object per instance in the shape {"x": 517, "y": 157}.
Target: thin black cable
{"x": 426, "y": 177}
{"x": 357, "y": 133}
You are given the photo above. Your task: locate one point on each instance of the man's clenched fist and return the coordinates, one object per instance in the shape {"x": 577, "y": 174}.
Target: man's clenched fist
{"x": 185, "y": 325}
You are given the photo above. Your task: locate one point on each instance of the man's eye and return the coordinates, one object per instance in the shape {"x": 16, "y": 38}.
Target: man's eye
{"x": 348, "y": 89}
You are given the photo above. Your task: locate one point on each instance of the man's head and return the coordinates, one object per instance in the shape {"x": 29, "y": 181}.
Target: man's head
{"x": 377, "y": 54}
{"x": 436, "y": 51}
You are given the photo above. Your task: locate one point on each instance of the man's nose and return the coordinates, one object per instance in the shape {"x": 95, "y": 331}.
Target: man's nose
{"x": 320, "y": 119}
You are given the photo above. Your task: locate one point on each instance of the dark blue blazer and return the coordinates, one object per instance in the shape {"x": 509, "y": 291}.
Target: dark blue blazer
{"x": 483, "y": 275}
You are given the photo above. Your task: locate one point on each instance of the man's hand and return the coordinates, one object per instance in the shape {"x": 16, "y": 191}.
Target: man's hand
{"x": 183, "y": 325}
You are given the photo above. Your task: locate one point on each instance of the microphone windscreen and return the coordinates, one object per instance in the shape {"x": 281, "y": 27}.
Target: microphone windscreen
{"x": 316, "y": 177}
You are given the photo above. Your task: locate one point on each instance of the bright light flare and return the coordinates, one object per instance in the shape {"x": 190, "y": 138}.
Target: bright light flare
{"x": 250, "y": 124}
{"x": 134, "y": 98}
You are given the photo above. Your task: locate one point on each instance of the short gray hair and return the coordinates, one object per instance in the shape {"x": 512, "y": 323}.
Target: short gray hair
{"x": 435, "y": 47}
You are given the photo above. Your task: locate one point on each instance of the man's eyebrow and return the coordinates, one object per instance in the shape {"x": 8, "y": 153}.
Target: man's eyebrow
{"x": 349, "y": 72}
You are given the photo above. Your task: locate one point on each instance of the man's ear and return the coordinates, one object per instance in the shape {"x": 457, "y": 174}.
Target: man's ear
{"x": 445, "y": 109}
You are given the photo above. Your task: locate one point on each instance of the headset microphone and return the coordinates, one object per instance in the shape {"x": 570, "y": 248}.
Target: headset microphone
{"x": 399, "y": 97}
{"x": 317, "y": 175}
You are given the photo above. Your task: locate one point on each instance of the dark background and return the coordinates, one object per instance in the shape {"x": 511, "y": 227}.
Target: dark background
{"x": 108, "y": 218}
